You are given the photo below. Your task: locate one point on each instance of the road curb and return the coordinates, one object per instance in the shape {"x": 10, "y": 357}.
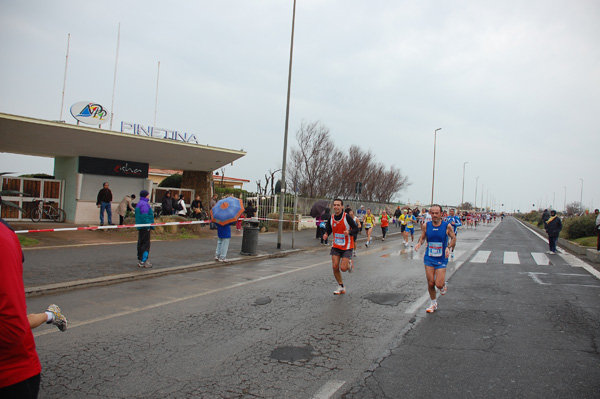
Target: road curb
{"x": 146, "y": 273}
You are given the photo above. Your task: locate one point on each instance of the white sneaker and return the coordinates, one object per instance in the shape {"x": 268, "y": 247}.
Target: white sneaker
{"x": 340, "y": 290}
{"x": 432, "y": 308}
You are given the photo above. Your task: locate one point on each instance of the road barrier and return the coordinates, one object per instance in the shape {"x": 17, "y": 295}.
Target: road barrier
{"x": 129, "y": 226}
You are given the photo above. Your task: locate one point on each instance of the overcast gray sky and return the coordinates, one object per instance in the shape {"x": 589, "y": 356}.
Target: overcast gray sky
{"x": 514, "y": 85}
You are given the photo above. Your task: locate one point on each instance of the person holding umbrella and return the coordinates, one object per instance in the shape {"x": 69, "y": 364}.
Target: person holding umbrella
{"x": 225, "y": 213}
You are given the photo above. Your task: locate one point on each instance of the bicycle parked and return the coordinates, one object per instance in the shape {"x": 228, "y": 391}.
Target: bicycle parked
{"x": 43, "y": 207}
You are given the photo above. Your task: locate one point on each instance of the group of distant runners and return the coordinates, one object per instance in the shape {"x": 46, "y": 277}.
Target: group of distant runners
{"x": 438, "y": 231}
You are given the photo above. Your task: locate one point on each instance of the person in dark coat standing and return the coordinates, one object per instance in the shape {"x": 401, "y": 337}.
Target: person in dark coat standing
{"x": 104, "y": 203}
{"x": 167, "y": 204}
{"x": 545, "y": 217}
{"x": 553, "y": 228}
{"x": 325, "y": 216}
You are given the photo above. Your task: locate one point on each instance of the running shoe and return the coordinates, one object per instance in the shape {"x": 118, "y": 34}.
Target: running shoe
{"x": 217, "y": 258}
{"x": 340, "y": 290}
{"x": 552, "y": 253}
{"x": 432, "y": 308}
{"x": 140, "y": 263}
{"x": 59, "y": 319}
{"x": 549, "y": 252}
{"x": 444, "y": 289}
{"x": 147, "y": 264}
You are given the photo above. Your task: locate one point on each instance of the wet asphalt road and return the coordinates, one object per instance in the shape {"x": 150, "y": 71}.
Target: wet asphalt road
{"x": 273, "y": 329}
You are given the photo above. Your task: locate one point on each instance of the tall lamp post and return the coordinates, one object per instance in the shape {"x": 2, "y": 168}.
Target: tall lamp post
{"x": 287, "y": 118}
{"x": 565, "y": 206}
{"x": 581, "y": 197}
{"x": 462, "y": 197}
{"x": 482, "y": 186}
{"x": 433, "y": 178}
{"x": 475, "y": 204}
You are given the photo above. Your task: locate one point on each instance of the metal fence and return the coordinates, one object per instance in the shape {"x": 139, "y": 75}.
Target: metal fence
{"x": 51, "y": 190}
{"x": 270, "y": 205}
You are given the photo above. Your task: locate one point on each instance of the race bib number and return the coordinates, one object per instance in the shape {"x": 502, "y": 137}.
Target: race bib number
{"x": 339, "y": 239}
{"x": 367, "y": 225}
{"x": 435, "y": 249}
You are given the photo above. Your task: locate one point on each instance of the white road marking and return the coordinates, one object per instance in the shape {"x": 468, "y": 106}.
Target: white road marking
{"x": 481, "y": 257}
{"x": 329, "y": 389}
{"x": 511, "y": 258}
{"x": 537, "y": 279}
{"x": 418, "y": 304}
{"x": 570, "y": 259}
{"x": 534, "y": 276}
{"x": 540, "y": 259}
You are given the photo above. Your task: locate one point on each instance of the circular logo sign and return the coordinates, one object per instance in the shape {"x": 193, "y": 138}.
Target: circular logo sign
{"x": 90, "y": 113}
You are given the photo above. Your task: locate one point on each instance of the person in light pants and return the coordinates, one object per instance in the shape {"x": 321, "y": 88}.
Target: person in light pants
{"x": 224, "y": 234}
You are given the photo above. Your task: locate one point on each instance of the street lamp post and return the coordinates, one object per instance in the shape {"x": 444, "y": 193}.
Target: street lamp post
{"x": 462, "y": 198}
{"x": 581, "y": 197}
{"x": 565, "y": 205}
{"x": 287, "y": 118}
{"x": 433, "y": 178}
{"x": 482, "y": 186}
{"x": 475, "y": 204}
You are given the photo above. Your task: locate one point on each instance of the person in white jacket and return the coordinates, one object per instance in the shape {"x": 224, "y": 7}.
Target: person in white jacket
{"x": 181, "y": 209}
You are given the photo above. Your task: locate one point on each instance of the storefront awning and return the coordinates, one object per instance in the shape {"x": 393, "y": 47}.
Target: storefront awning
{"x": 28, "y": 136}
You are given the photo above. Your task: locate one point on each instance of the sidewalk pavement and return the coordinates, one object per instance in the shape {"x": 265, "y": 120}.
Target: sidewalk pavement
{"x": 77, "y": 259}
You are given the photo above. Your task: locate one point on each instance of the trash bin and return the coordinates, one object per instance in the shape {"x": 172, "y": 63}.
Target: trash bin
{"x": 250, "y": 237}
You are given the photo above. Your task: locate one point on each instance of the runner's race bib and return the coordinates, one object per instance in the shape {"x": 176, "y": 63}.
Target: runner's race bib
{"x": 435, "y": 249}
{"x": 367, "y": 225}
{"x": 339, "y": 239}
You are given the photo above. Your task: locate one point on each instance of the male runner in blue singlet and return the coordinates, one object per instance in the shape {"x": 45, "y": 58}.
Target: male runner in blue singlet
{"x": 455, "y": 221}
{"x": 437, "y": 252}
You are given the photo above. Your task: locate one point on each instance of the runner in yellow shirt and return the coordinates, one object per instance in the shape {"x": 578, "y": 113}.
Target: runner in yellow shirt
{"x": 403, "y": 228}
{"x": 369, "y": 223}
{"x": 410, "y": 227}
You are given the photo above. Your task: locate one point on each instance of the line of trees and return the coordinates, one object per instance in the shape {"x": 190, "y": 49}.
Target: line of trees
{"x": 319, "y": 169}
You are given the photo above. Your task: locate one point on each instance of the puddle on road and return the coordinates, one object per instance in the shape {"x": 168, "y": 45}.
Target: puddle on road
{"x": 293, "y": 353}
{"x": 386, "y": 298}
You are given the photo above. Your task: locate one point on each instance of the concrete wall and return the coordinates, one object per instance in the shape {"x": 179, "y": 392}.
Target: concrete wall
{"x": 81, "y": 191}
{"x": 65, "y": 168}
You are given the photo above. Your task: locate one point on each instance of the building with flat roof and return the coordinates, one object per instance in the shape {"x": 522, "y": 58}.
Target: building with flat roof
{"x": 85, "y": 157}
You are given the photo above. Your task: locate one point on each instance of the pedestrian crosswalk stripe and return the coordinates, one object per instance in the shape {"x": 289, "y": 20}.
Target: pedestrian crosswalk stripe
{"x": 540, "y": 259}
{"x": 511, "y": 258}
{"x": 481, "y": 257}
